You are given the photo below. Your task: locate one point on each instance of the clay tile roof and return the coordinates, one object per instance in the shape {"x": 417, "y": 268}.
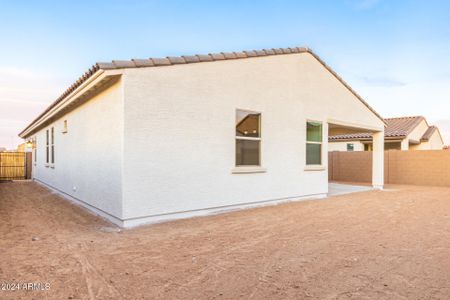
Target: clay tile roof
{"x": 427, "y": 135}
{"x": 395, "y": 127}
{"x": 401, "y": 127}
{"x": 217, "y": 56}
{"x": 278, "y": 50}
{"x": 204, "y": 58}
{"x": 240, "y": 54}
{"x": 143, "y": 63}
{"x": 351, "y": 136}
{"x": 269, "y": 51}
{"x": 156, "y": 62}
{"x": 124, "y": 64}
{"x": 174, "y": 60}
{"x": 251, "y": 53}
{"x": 229, "y": 55}
{"x": 161, "y": 61}
{"x": 191, "y": 58}
{"x": 105, "y": 65}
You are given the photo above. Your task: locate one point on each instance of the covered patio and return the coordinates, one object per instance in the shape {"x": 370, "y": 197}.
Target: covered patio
{"x": 337, "y": 127}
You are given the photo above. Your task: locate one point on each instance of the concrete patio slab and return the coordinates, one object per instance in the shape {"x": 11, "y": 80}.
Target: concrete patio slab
{"x": 335, "y": 189}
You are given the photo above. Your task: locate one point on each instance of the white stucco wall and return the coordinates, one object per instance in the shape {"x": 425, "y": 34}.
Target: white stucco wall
{"x": 404, "y": 145}
{"x": 342, "y": 146}
{"x": 179, "y": 131}
{"x": 418, "y": 131}
{"x": 88, "y": 158}
{"x": 414, "y": 135}
{"x": 434, "y": 143}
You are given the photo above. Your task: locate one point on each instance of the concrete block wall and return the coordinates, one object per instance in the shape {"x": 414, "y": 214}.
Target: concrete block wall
{"x": 350, "y": 166}
{"x": 427, "y": 167}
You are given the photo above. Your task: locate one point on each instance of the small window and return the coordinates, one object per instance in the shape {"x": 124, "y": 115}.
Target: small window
{"x": 248, "y": 138}
{"x": 64, "y": 127}
{"x": 53, "y": 146}
{"x": 47, "y": 150}
{"x": 313, "y": 143}
{"x": 350, "y": 147}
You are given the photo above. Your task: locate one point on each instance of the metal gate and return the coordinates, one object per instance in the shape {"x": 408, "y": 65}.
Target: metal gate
{"x": 15, "y": 165}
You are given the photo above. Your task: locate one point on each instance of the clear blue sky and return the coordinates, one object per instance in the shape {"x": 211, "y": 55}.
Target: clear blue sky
{"x": 394, "y": 53}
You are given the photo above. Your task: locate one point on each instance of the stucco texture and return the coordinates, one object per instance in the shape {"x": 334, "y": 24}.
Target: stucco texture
{"x": 88, "y": 157}
{"x": 179, "y": 131}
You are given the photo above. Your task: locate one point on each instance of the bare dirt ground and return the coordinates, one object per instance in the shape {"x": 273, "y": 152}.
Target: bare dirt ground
{"x": 372, "y": 245}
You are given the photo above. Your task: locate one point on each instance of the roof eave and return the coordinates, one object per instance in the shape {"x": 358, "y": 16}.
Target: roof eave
{"x": 116, "y": 66}
{"x": 57, "y": 106}
{"x": 390, "y": 138}
{"x": 346, "y": 85}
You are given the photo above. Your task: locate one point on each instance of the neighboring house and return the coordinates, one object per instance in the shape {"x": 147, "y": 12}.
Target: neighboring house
{"x": 21, "y": 147}
{"x": 147, "y": 140}
{"x": 24, "y": 147}
{"x": 403, "y": 133}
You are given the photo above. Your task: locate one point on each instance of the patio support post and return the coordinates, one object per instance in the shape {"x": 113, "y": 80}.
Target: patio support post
{"x": 378, "y": 160}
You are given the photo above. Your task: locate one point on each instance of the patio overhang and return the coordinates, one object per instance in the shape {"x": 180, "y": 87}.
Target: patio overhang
{"x": 375, "y": 137}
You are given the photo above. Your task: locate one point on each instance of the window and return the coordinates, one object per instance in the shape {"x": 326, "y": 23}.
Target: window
{"x": 393, "y": 146}
{"x": 35, "y": 149}
{"x": 53, "y": 146}
{"x": 313, "y": 143}
{"x": 350, "y": 147}
{"x": 248, "y": 138}
{"x": 65, "y": 127}
{"x": 47, "y": 153}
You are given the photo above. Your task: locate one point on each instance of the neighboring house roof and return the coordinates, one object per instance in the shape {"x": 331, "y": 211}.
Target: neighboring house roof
{"x": 351, "y": 136}
{"x": 427, "y": 135}
{"x": 188, "y": 59}
{"x": 402, "y": 126}
{"x": 395, "y": 128}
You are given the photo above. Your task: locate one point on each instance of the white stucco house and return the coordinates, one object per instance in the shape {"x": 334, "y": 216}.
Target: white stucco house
{"x": 400, "y": 133}
{"x": 147, "y": 140}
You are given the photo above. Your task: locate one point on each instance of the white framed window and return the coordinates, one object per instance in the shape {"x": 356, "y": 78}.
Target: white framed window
{"x": 313, "y": 143}
{"x": 248, "y": 138}
{"x": 52, "y": 149}
{"x": 47, "y": 144}
{"x": 64, "y": 127}
{"x": 35, "y": 150}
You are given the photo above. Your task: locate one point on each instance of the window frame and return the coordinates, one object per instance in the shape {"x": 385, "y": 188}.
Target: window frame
{"x": 65, "y": 127}
{"x": 314, "y": 166}
{"x": 248, "y": 168}
{"x": 35, "y": 150}
{"x": 52, "y": 146}
{"x": 47, "y": 150}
